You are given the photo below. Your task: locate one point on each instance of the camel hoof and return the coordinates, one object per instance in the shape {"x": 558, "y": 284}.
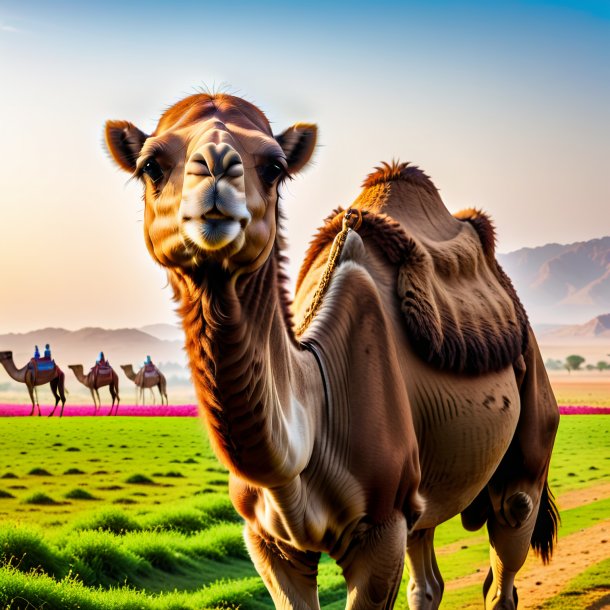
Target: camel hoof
{"x": 518, "y": 508}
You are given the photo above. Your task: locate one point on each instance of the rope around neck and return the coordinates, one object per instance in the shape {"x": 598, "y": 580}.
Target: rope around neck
{"x": 351, "y": 222}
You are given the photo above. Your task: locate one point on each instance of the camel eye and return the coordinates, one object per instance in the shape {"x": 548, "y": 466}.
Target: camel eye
{"x": 272, "y": 172}
{"x": 153, "y": 170}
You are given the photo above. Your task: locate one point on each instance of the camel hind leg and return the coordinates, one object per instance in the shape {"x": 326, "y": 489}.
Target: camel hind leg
{"x": 289, "y": 575}
{"x": 426, "y": 586}
{"x": 115, "y": 396}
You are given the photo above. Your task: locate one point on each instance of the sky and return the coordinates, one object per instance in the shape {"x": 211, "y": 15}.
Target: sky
{"x": 506, "y": 105}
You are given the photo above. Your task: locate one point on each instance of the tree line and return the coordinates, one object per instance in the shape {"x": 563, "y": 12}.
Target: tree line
{"x": 575, "y": 362}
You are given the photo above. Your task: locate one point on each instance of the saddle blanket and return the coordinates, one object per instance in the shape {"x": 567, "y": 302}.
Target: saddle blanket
{"x": 42, "y": 364}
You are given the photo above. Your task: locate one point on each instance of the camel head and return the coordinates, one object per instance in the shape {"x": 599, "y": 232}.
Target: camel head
{"x": 211, "y": 172}
{"x": 6, "y": 355}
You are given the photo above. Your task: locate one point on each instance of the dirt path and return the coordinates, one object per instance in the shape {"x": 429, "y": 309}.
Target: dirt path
{"x": 574, "y": 554}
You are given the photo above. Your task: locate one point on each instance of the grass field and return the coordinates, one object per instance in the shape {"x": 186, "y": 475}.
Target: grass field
{"x": 133, "y": 513}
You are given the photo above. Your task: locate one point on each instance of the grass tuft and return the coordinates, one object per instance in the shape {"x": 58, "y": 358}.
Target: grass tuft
{"x": 40, "y": 472}
{"x": 26, "y": 550}
{"x": 78, "y": 493}
{"x": 109, "y": 520}
{"x": 40, "y": 498}
{"x": 5, "y": 494}
{"x": 73, "y": 471}
{"x": 9, "y": 475}
{"x": 139, "y": 479}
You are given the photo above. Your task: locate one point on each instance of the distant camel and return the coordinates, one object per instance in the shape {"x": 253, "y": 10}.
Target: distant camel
{"x": 146, "y": 380}
{"x": 32, "y": 377}
{"x": 105, "y": 376}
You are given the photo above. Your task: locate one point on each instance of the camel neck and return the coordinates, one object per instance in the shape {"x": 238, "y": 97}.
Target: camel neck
{"x": 12, "y": 370}
{"x": 257, "y": 389}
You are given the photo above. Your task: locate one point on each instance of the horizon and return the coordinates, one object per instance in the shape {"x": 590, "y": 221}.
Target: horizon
{"x": 506, "y": 106}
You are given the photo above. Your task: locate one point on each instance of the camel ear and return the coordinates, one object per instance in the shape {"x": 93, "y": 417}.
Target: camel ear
{"x": 298, "y": 143}
{"x": 124, "y": 142}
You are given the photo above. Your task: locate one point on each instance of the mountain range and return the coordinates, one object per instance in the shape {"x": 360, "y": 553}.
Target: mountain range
{"x": 163, "y": 342}
{"x": 562, "y": 284}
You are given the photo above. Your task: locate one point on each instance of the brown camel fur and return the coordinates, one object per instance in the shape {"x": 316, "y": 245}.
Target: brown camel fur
{"x": 54, "y": 377}
{"x": 148, "y": 381}
{"x": 95, "y": 380}
{"x": 351, "y": 440}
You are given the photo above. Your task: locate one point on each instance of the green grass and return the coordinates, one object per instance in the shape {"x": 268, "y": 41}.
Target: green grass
{"x": 159, "y": 536}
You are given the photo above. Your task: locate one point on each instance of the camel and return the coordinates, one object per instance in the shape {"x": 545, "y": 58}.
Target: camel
{"x": 414, "y": 392}
{"x": 146, "y": 380}
{"x": 96, "y": 379}
{"x": 32, "y": 377}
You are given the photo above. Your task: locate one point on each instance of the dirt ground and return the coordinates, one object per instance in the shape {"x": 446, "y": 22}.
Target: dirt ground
{"x": 574, "y": 553}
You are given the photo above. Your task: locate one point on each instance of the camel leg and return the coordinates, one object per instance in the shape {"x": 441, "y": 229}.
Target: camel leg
{"x": 154, "y": 398}
{"x": 374, "y": 565}
{"x": 37, "y": 400}
{"x": 508, "y": 551}
{"x": 54, "y": 383}
{"x": 289, "y": 575}
{"x": 115, "y": 396}
{"x": 33, "y": 399}
{"x": 425, "y": 589}
{"x": 93, "y": 399}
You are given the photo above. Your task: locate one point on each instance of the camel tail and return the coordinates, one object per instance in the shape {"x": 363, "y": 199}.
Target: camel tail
{"x": 544, "y": 535}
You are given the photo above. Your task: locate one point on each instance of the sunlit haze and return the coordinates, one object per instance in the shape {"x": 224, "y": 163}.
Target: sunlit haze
{"x": 506, "y": 105}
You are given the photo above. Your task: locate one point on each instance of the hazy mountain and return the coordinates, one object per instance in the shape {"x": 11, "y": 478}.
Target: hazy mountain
{"x": 120, "y": 346}
{"x": 597, "y": 329}
{"x": 562, "y": 284}
{"x": 167, "y": 332}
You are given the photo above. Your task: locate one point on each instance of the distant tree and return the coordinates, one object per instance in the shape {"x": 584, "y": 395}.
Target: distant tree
{"x": 573, "y": 362}
{"x": 553, "y": 365}
{"x": 591, "y": 367}
{"x": 602, "y": 365}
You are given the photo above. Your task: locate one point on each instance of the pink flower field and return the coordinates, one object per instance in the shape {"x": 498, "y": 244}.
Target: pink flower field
{"x": 7, "y": 410}
{"x": 89, "y": 410}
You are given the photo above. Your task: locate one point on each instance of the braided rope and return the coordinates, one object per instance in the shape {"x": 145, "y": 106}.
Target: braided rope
{"x": 351, "y": 222}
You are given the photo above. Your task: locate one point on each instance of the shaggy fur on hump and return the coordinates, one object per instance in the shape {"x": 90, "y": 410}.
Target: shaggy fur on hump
{"x": 485, "y": 332}
{"x": 396, "y": 170}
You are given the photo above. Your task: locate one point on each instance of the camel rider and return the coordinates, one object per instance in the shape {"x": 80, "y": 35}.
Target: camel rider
{"x": 47, "y": 351}
{"x": 101, "y": 360}
{"x": 36, "y": 353}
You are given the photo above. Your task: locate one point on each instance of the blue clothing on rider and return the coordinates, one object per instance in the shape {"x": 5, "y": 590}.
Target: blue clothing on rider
{"x": 100, "y": 358}
{"x": 147, "y": 361}
{"x": 47, "y": 351}
{"x": 36, "y": 352}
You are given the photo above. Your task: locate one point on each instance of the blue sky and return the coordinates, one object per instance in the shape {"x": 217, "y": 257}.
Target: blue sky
{"x": 505, "y": 104}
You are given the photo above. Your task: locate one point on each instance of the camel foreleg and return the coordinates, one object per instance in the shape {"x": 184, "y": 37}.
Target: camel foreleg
{"x": 34, "y": 398}
{"x": 290, "y": 575}
{"x": 508, "y": 551}
{"x": 425, "y": 589}
{"x": 374, "y": 564}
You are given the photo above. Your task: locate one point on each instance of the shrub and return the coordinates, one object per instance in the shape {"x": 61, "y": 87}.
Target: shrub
{"x": 9, "y": 475}
{"x": 40, "y": 498}
{"x": 5, "y": 494}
